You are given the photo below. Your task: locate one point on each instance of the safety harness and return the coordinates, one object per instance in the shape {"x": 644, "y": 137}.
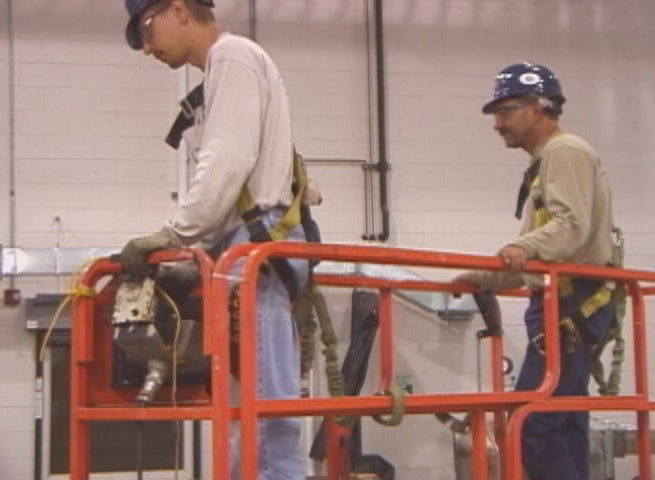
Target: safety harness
{"x": 252, "y": 216}
{"x": 251, "y": 213}
{"x": 187, "y": 116}
{"x": 306, "y": 301}
{"x": 607, "y": 292}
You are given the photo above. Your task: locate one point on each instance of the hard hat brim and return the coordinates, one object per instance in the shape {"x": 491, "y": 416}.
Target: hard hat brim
{"x": 488, "y": 107}
{"x": 132, "y": 34}
{"x": 132, "y": 29}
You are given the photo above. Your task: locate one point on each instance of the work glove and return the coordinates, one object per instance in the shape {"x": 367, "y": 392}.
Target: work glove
{"x": 135, "y": 252}
{"x": 470, "y": 278}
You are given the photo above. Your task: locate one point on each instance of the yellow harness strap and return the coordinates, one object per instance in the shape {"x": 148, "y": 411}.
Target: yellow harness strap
{"x": 609, "y": 292}
{"x": 591, "y": 304}
{"x": 565, "y": 284}
{"x": 291, "y": 217}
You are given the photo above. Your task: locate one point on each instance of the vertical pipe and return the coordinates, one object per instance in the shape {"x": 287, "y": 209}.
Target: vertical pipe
{"x": 641, "y": 378}
{"x": 479, "y": 444}
{"x": 513, "y": 466}
{"x": 81, "y": 337}
{"x": 38, "y": 413}
{"x": 639, "y": 334}
{"x": 12, "y": 131}
{"x": 382, "y": 165}
{"x": 252, "y": 19}
{"x": 248, "y": 372}
{"x": 220, "y": 368}
{"x": 369, "y": 216}
{"x": 216, "y": 338}
{"x": 643, "y": 443}
{"x": 500, "y": 420}
{"x": 197, "y": 442}
{"x": 337, "y": 446}
{"x": 551, "y": 335}
{"x": 378, "y": 122}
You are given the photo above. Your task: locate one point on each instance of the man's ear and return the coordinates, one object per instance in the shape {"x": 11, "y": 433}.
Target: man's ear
{"x": 180, "y": 11}
{"x": 535, "y": 106}
{"x": 537, "y": 110}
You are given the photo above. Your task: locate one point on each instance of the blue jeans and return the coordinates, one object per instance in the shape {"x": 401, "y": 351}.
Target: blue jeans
{"x": 278, "y": 363}
{"x": 556, "y": 444}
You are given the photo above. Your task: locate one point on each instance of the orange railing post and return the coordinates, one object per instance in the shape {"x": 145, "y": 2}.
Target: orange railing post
{"x": 497, "y": 385}
{"x": 219, "y": 348}
{"x": 385, "y": 330}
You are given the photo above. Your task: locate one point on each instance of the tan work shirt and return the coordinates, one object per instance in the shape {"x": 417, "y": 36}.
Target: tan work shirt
{"x": 575, "y": 191}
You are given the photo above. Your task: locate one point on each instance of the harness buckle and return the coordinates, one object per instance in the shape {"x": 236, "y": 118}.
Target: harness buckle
{"x": 187, "y": 109}
{"x": 571, "y": 340}
{"x": 258, "y": 231}
{"x": 539, "y": 344}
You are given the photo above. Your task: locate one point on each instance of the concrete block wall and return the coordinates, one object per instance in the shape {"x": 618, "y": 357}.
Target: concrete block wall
{"x": 92, "y": 170}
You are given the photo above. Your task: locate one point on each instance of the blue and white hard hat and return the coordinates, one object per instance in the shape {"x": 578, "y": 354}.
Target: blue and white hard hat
{"x": 135, "y": 9}
{"x": 526, "y": 78}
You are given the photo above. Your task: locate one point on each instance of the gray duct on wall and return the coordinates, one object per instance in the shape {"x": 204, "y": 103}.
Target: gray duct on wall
{"x": 16, "y": 261}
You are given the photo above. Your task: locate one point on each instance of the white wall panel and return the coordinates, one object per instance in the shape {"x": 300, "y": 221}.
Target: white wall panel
{"x": 320, "y": 46}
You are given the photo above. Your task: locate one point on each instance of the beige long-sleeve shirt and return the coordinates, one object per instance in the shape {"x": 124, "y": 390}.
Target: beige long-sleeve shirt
{"x": 576, "y": 193}
{"x": 245, "y": 138}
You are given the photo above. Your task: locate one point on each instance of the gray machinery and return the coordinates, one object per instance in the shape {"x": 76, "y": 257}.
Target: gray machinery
{"x": 152, "y": 329}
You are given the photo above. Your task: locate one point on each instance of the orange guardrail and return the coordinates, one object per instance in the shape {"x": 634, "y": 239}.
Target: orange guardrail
{"x": 93, "y": 399}
{"x": 475, "y": 403}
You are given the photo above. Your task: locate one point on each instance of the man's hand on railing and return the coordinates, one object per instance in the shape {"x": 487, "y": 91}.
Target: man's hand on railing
{"x": 513, "y": 256}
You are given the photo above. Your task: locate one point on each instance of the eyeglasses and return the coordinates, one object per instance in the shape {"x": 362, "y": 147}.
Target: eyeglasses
{"x": 505, "y": 110}
{"x": 144, "y": 24}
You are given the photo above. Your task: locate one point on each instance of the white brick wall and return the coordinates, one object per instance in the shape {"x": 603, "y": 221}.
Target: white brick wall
{"x": 91, "y": 115}
{"x": 16, "y": 396}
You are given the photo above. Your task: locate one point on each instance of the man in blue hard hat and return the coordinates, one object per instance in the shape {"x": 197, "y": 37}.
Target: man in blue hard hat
{"x": 566, "y": 206}
{"x": 243, "y": 142}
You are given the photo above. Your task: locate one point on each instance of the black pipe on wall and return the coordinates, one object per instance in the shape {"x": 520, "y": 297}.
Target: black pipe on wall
{"x": 382, "y": 166}
{"x": 197, "y": 447}
{"x": 252, "y": 20}
{"x": 38, "y": 418}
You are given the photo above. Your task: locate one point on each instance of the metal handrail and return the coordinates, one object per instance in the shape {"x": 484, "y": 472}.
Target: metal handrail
{"x": 252, "y": 408}
{"x": 240, "y": 265}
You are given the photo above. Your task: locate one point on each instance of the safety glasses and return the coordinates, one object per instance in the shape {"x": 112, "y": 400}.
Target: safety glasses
{"x": 505, "y": 110}
{"x": 145, "y": 24}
